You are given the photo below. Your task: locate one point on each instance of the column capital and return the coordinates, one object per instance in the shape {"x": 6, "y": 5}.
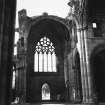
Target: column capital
{"x": 82, "y": 28}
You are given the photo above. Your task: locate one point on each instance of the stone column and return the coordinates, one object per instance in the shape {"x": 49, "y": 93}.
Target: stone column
{"x": 91, "y": 93}
{"x": 7, "y": 20}
{"x": 83, "y": 66}
{"x": 81, "y": 63}
{"x": 66, "y": 71}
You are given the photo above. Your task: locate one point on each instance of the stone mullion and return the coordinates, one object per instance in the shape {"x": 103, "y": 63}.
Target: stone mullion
{"x": 47, "y": 62}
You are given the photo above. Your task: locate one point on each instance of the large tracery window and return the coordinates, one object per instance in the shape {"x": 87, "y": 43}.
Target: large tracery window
{"x": 45, "y": 57}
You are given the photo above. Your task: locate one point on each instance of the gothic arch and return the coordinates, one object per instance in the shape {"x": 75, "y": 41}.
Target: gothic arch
{"x": 97, "y": 65}
{"x": 45, "y": 92}
{"x": 73, "y": 19}
{"x": 55, "y": 19}
{"x": 56, "y": 32}
{"x": 78, "y": 81}
{"x": 52, "y": 17}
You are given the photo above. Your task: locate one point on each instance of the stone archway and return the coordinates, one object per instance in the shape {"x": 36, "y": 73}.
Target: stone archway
{"x": 45, "y": 92}
{"x": 77, "y": 73}
{"x": 58, "y": 34}
{"x": 98, "y": 71}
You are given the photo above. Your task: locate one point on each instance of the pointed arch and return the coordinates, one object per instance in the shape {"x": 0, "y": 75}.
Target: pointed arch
{"x": 45, "y": 92}
{"x": 44, "y": 56}
{"x": 78, "y": 80}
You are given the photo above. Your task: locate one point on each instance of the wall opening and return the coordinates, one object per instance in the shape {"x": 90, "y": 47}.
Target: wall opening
{"x": 78, "y": 78}
{"x": 45, "y": 92}
{"x": 45, "y": 57}
{"x": 46, "y": 47}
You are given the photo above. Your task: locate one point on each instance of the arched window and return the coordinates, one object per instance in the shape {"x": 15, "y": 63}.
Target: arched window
{"x": 45, "y": 57}
{"x": 13, "y": 78}
{"x": 45, "y": 92}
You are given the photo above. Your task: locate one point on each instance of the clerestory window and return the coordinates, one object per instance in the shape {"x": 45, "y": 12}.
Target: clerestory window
{"x": 45, "y": 57}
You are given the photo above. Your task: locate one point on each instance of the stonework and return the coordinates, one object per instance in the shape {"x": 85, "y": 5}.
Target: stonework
{"x": 78, "y": 45}
{"x": 80, "y": 56}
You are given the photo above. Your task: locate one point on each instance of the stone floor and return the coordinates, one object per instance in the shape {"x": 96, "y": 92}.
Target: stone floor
{"x": 45, "y": 104}
{"x": 54, "y": 104}
{"x": 51, "y": 103}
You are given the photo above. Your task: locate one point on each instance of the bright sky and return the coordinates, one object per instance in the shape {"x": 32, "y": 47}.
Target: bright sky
{"x": 37, "y": 7}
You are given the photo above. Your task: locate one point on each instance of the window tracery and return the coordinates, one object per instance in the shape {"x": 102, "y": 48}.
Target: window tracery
{"x": 45, "y": 57}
